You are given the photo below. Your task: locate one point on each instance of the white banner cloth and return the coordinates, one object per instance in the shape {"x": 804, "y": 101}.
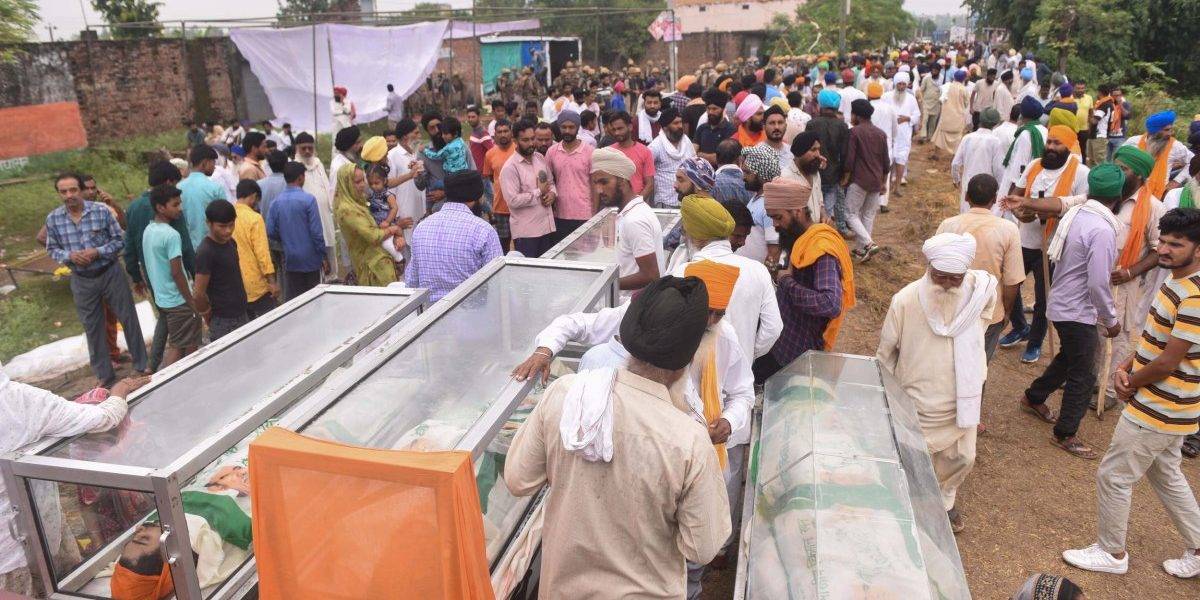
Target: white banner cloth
{"x": 365, "y": 60}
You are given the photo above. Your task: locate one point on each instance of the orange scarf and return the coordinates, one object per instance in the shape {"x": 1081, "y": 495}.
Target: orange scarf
{"x": 747, "y": 139}
{"x": 1066, "y": 181}
{"x": 127, "y": 585}
{"x": 710, "y": 394}
{"x": 819, "y": 240}
{"x": 1158, "y": 176}
{"x": 1118, "y": 116}
{"x": 1135, "y": 240}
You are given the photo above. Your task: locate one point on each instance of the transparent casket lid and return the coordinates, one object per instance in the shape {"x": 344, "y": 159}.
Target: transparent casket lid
{"x": 434, "y": 388}
{"x": 838, "y": 510}
{"x": 174, "y": 416}
{"x": 666, "y": 218}
{"x": 598, "y": 243}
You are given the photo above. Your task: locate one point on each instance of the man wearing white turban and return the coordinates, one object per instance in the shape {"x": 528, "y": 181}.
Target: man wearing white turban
{"x": 932, "y": 340}
{"x": 639, "y": 234}
{"x": 908, "y": 115}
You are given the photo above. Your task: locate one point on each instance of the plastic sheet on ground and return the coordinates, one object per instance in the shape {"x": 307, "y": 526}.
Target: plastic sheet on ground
{"x": 65, "y": 355}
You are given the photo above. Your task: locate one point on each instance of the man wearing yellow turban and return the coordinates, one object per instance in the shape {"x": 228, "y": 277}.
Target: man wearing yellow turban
{"x": 753, "y": 311}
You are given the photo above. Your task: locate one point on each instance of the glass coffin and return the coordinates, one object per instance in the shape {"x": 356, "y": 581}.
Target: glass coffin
{"x": 80, "y": 501}
{"x": 841, "y": 498}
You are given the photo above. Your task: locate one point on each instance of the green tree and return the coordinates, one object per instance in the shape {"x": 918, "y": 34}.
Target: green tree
{"x": 1096, "y": 29}
{"x": 17, "y": 18}
{"x": 307, "y": 11}
{"x": 127, "y": 12}
{"x": 615, "y": 29}
{"x": 1014, "y": 15}
{"x": 1166, "y": 34}
{"x": 872, "y": 24}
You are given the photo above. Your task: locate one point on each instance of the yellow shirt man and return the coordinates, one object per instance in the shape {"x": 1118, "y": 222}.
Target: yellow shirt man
{"x": 254, "y": 257}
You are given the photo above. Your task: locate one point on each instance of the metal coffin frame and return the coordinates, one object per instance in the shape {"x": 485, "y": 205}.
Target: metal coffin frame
{"x": 19, "y": 467}
{"x": 900, "y": 415}
{"x": 592, "y": 223}
{"x": 673, "y": 217}
{"x": 477, "y": 438}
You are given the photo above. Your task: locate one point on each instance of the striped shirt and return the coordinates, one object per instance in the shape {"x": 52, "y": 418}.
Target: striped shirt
{"x": 1171, "y": 405}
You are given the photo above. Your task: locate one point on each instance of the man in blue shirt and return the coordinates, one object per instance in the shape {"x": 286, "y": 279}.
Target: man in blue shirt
{"x": 272, "y": 185}
{"x": 293, "y": 221}
{"x": 85, "y": 236}
{"x": 199, "y": 190}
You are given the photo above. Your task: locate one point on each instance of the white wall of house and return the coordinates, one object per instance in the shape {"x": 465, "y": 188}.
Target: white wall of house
{"x": 750, "y": 15}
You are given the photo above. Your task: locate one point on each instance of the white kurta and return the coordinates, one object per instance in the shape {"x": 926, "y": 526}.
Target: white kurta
{"x": 733, "y": 368}
{"x": 1022, "y": 155}
{"x": 316, "y": 182}
{"x": 753, "y": 310}
{"x": 410, "y": 201}
{"x": 906, "y": 106}
{"x": 27, "y": 415}
{"x": 667, "y": 159}
{"x": 923, "y": 363}
{"x": 1003, "y": 101}
{"x": 979, "y": 152}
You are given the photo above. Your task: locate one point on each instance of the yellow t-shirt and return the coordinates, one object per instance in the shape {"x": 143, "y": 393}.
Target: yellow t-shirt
{"x": 1083, "y": 112}
{"x": 254, "y": 256}
{"x": 1170, "y": 405}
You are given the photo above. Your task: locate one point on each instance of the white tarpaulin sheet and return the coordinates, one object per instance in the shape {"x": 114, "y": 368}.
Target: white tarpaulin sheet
{"x": 463, "y": 29}
{"x": 364, "y": 60}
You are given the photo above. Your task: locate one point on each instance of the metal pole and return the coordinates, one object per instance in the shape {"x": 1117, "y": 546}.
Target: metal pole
{"x": 476, "y": 68}
{"x": 314, "y": 57}
{"x": 842, "y": 29}
{"x": 673, "y": 53}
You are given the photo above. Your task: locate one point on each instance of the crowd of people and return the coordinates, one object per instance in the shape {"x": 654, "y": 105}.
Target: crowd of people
{"x": 779, "y": 170}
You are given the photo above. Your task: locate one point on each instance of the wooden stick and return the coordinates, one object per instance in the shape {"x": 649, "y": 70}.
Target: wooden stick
{"x": 1105, "y": 371}
{"x": 1050, "y": 334}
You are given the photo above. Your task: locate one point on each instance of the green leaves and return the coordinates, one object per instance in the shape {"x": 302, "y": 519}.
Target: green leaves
{"x": 872, "y": 24}
{"x": 130, "y": 18}
{"x": 17, "y": 18}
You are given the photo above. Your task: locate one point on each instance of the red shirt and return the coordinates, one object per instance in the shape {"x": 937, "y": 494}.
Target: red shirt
{"x": 643, "y": 164}
{"x": 481, "y": 142}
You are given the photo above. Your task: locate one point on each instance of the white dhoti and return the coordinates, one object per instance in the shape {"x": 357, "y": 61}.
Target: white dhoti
{"x": 1128, "y": 299}
{"x": 953, "y": 463}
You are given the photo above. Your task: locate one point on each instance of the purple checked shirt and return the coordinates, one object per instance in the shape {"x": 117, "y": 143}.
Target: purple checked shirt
{"x": 807, "y": 302}
{"x": 448, "y": 247}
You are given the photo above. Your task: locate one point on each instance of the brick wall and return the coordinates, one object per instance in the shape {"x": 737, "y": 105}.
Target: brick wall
{"x": 465, "y": 64}
{"x": 698, "y": 48}
{"x": 142, "y": 86}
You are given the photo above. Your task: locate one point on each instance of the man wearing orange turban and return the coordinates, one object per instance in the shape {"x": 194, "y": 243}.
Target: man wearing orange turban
{"x": 816, "y": 289}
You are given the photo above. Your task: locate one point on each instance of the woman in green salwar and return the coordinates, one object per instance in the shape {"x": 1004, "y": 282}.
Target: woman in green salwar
{"x": 372, "y": 264}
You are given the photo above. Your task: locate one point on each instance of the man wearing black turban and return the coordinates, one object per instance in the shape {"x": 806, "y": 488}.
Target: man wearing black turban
{"x": 621, "y": 452}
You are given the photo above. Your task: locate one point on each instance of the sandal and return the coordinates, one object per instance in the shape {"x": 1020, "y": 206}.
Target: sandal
{"x": 1048, "y": 417}
{"x": 1075, "y": 447}
{"x": 1191, "y": 446}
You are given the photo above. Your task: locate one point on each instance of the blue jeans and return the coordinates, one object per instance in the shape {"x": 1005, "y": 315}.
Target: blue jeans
{"x": 1113, "y": 144}
{"x": 835, "y": 203}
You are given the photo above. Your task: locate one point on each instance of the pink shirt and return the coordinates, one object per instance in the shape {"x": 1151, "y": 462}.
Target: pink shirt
{"x": 643, "y": 164}
{"x": 572, "y": 171}
{"x": 528, "y": 218}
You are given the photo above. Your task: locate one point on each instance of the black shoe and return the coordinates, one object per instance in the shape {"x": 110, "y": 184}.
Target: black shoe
{"x": 884, "y": 209}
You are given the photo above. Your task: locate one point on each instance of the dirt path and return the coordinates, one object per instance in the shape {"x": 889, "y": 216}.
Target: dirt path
{"x": 1026, "y": 501}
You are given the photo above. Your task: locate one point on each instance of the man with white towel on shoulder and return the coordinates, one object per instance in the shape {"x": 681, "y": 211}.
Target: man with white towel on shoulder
{"x": 933, "y": 341}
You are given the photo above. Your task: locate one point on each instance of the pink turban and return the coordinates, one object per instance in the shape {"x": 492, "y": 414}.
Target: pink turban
{"x": 749, "y": 107}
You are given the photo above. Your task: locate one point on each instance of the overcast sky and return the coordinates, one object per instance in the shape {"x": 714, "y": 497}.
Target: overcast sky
{"x": 67, "y": 16}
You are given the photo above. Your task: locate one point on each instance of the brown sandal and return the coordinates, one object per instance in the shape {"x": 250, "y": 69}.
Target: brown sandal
{"x": 1075, "y": 447}
{"x": 1049, "y": 417}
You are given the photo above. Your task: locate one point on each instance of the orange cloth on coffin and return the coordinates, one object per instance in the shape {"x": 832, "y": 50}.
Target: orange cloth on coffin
{"x": 718, "y": 279}
{"x": 1062, "y": 189}
{"x": 817, "y": 241}
{"x": 334, "y": 522}
{"x": 127, "y": 585}
{"x": 1157, "y": 182}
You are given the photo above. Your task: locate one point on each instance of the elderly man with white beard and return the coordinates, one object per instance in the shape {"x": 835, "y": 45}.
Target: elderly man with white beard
{"x": 934, "y": 322}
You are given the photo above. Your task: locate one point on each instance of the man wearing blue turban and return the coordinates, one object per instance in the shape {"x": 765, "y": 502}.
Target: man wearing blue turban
{"x": 1171, "y": 156}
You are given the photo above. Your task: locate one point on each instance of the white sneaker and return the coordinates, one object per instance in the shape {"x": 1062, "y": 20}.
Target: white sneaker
{"x": 1093, "y": 558}
{"x": 1188, "y": 566}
